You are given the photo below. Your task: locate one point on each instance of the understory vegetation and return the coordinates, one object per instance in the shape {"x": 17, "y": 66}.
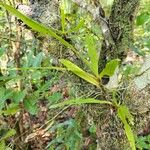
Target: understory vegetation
{"x": 60, "y": 91}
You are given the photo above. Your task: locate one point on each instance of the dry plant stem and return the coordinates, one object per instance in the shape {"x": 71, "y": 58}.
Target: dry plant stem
{"x": 17, "y": 52}
{"x": 9, "y": 22}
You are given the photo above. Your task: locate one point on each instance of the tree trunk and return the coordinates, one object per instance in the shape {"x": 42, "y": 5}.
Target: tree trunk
{"x": 120, "y": 24}
{"x": 46, "y": 12}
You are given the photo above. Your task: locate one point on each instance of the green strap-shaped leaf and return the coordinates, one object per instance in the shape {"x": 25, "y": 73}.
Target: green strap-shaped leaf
{"x": 110, "y": 68}
{"x": 124, "y": 115}
{"x": 130, "y": 136}
{"x": 81, "y": 101}
{"x": 79, "y": 72}
{"x": 92, "y": 53}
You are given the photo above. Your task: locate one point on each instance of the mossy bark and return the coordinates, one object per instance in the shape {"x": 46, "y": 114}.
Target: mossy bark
{"x": 121, "y": 26}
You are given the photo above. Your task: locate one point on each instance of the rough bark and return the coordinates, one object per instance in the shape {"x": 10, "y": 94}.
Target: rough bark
{"x": 120, "y": 24}
{"x": 46, "y": 12}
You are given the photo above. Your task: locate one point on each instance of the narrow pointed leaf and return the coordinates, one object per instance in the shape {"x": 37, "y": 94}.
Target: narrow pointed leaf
{"x": 125, "y": 116}
{"x": 130, "y": 136}
{"x": 80, "y": 101}
{"x": 79, "y": 72}
{"x": 92, "y": 53}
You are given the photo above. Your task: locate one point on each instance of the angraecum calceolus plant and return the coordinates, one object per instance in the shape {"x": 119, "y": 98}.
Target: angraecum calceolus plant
{"x": 89, "y": 41}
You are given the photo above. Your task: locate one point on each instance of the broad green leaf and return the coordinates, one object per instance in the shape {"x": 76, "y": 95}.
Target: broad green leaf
{"x": 69, "y": 122}
{"x": 5, "y": 79}
{"x": 2, "y": 83}
{"x": 81, "y": 101}
{"x": 36, "y": 75}
{"x": 92, "y": 53}
{"x": 47, "y": 85}
{"x": 79, "y": 72}
{"x": 143, "y": 142}
{"x": 29, "y": 60}
{"x": 55, "y": 97}
{"x": 110, "y": 68}
{"x": 125, "y": 116}
{"x": 92, "y": 129}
